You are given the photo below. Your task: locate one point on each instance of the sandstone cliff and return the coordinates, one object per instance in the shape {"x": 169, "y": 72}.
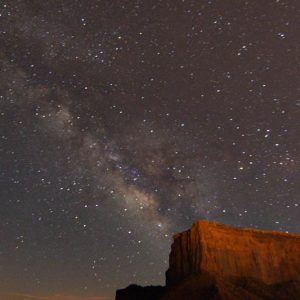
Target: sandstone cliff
{"x": 212, "y": 261}
{"x": 224, "y": 251}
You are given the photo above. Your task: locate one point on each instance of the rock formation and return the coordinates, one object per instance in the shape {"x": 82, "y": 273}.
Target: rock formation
{"x": 214, "y": 248}
{"x": 135, "y": 292}
{"x": 214, "y": 261}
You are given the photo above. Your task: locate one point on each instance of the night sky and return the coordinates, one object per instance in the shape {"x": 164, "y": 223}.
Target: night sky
{"x": 122, "y": 122}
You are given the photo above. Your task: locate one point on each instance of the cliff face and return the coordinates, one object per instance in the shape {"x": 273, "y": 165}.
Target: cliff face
{"x": 212, "y": 261}
{"x": 266, "y": 256}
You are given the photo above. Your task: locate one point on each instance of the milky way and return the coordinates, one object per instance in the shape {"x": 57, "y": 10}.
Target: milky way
{"x": 122, "y": 122}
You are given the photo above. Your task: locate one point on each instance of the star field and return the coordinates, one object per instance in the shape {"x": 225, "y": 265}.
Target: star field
{"x": 122, "y": 122}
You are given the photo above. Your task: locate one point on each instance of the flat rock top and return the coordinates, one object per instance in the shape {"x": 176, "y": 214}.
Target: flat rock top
{"x": 210, "y": 225}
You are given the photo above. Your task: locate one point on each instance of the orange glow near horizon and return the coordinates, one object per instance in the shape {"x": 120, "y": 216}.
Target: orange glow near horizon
{"x": 18, "y": 296}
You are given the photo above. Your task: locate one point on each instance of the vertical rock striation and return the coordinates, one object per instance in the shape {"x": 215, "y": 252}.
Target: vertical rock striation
{"x": 223, "y": 251}
{"x": 212, "y": 261}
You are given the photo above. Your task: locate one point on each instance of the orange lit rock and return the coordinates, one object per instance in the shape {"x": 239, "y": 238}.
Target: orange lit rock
{"x": 208, "y": 247}
{"x": 212, "y": 261}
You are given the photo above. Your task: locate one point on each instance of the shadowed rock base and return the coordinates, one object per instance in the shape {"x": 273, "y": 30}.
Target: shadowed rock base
{"x": 212, "y": 261}
{"x": 207, "y": 287}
